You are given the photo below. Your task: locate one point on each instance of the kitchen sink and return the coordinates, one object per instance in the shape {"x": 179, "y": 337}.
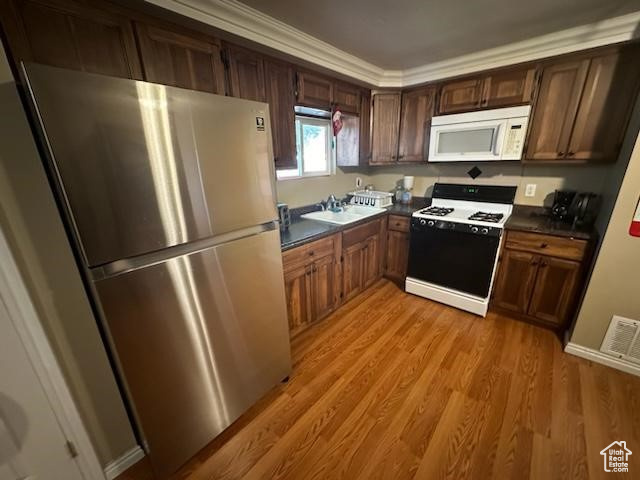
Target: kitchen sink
{"x": 350, "y": 214}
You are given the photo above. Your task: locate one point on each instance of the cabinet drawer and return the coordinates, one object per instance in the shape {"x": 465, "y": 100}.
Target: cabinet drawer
{"x": 294, "y": 258}
{"x": 561, "y": 247}
{"x": 398, "y": 223}
{"x": 360, "y": 233}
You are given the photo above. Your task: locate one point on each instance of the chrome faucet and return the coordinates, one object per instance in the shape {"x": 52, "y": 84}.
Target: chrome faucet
{"x": 334, "y": 204}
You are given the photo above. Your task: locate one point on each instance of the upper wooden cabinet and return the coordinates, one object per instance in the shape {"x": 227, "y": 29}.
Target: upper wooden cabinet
{"x": 365, "y": 127}
{"x": 71, "y": 34}
{"x": 346, "y": 97}
{"x": 280, "y": 83}
{"x": 555, "y": 110}
{"x": 461, "y": 95}
{"x": 181, "y": 59}
{"x": 605, "y": 106}
{"x": 314, "y": 90}
{"x": 508, "y": 87}
{"x": 400, "y": 126}
{"x": 384, "y": 129}
{"x": 415, "y": 124}
{"x": 583, "y": 107}
{"x": 500, "y": 88}
{"x": 246, "y": 73}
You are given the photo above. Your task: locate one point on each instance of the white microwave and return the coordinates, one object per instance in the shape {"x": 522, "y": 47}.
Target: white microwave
{"x": 479, "y": 136}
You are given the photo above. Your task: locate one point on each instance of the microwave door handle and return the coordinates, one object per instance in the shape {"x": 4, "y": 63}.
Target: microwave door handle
{"x": 497, "y": 142}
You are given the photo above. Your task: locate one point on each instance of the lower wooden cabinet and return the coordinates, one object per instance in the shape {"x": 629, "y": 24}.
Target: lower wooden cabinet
{"x": 536, "y": 282}
{"x": 397, "y": 251}
{"x": 312, "y": 281}
{"x": 322, "y": 274}
{"x": 297, "y": 287}
{"x": 361, "y": 257}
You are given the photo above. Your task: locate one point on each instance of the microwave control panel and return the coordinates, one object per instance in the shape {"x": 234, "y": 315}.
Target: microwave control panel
{"x": 514, "y": 139}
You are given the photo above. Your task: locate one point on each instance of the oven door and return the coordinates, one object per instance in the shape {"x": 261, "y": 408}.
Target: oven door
{"x": 472, "y": 141}
{"x": 453, "y": 259}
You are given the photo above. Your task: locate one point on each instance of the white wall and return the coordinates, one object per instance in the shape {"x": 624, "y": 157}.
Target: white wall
{"x": 547, "y": 179}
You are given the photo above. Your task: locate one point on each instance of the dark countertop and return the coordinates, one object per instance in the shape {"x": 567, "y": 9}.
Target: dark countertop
{"x": 303, "y": 231}
{"x": 536, "y": 219}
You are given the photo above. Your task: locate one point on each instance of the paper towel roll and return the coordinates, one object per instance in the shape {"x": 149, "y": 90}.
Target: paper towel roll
{"x": 408, "y": 182}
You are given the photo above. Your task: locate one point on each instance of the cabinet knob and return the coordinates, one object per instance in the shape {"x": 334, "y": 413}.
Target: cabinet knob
{"x": 543, "y": 264}
{"x": 315, "y": 269}
{"x": 535, "y": 262}
{"x": 571, "y": 154}
{"x": 544, "y": 245}
{"x": 561, "y": 154}
{"x": 393, "y": 157}
{"x": 311, "y": 254}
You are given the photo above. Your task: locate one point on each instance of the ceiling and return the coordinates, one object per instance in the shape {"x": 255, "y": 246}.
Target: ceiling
{"x": 403, "y": 34}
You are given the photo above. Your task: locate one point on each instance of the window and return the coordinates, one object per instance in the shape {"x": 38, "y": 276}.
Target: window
{"x": 314, "y": 146}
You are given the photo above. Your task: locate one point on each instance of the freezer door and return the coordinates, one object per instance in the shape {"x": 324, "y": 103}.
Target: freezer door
{"x": 143, "y": 166}
{"x": 199, "y": 338}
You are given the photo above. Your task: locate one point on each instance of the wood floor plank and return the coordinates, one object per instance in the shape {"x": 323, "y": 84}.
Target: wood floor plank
{"x": 393, "y": 386}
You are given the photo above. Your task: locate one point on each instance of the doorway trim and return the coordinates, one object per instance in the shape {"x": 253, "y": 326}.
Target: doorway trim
{"x": 22, "y": 313}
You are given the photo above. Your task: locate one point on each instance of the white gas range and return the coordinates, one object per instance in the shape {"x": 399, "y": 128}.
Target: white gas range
{"x": 455, "y": 243}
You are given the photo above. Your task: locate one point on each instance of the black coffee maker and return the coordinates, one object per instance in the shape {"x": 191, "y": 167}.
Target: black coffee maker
{"x": 562, "y": 201}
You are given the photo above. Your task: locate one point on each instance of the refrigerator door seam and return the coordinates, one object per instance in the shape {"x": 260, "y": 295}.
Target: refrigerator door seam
{"x": 148, "y": 259}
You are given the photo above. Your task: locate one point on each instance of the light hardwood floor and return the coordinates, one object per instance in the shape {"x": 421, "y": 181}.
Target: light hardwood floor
{"x": 393, "y": 386}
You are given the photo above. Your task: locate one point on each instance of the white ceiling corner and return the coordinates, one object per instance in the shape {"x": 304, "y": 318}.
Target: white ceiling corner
{"x": 244, "y": 21}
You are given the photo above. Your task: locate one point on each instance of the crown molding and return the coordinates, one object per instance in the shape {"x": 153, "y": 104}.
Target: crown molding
{"x": 239, "y": 19}
{"x": 606, "y": 32}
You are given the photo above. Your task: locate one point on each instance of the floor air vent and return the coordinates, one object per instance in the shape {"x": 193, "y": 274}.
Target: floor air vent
{"x": 623, "y": 339}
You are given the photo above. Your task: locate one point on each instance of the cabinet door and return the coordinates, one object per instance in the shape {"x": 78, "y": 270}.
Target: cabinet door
{"x": 323, "y": 286}
{"x": 181, "y": 60}
{"x": 397, "y": 255}
{"x": 346, "y": 97}
{"x": 371, "y": 271}
{"x": 555, "y": 110}
{"x": 415, "y": 124}
{"x": 280, "y": 81}
{"x": 515, "y": 280}
{"x": 347, "y": 142}
{"x": 555, "y": 290}
{"x": 314, "y": 90}
{"x": 461, "y": 95}
{"x": 509, "y": 87}
{"x": 365, "y": 127}
{"x": 70, "y": 34}
{"x": 352, "y": 271}
{"x": 298, "y": 290}
{"x": 246, "y": 74}
{"x": 385, "y": 124}
{"x": 605, "y": 106}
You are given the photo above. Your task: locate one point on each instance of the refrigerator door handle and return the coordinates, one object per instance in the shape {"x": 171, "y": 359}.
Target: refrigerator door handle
{"x": 134, "y": 263}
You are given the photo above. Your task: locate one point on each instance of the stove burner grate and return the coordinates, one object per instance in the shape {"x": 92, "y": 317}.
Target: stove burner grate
{"x": 487, "y": 217}
{"x": 437, "y": 211}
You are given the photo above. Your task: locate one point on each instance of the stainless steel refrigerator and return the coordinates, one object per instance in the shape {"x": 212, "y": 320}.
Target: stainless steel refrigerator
{"x": 169, "y": 198}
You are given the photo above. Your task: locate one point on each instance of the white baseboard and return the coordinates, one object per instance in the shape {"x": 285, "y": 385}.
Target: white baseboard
{"x": 119, "y": 465}
{"x": 602, "y": 358}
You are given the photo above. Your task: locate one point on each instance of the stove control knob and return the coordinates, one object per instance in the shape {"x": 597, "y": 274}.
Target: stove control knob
{"x": 474, "y": 229}
{"x": 485, "y": 231}
{"x": 431, "y": 223}
{"x": 423, "y": 222}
